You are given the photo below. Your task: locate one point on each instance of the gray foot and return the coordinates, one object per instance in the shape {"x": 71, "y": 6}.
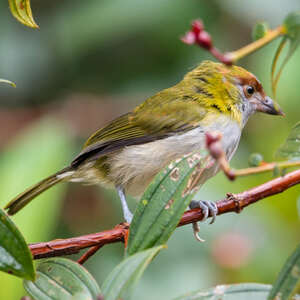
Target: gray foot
{"x": 126, "y": 212}
{"x": 208, "y": 209}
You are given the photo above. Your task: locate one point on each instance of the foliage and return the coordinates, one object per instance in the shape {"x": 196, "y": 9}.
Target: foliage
{"x": 291, "y": 148}
{"x": 175, "y": 178}
{"x": 124, "y": 277}
{"x": 8, "y": 82}
{"x": 38, "y": 144}
{"x": 15, "y": 256}
{"x": 245, "y": 291}
{"x": 21, "y": 10}
{"x": 289, "y": 278}
{"x": 155, "y": 219}
{"x": 62, "y": 279}
{"x": 291, "y": 28}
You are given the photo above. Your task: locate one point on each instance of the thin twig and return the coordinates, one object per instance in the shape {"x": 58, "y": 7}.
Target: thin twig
{"x": 213, "y": 144}
{"x": 198, "y": 36}
{"x": 270, "y": 36}
{"x": 88, "y": 254}
{"x": 266, "y": 167}
{"x": 232, "y": 203}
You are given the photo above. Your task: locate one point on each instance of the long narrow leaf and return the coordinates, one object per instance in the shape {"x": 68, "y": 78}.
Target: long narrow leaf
{"x": 242, "y": 291}
{"x": 122, "y": 279}
{"x": 292, "y": 48}
{"x": 291, "y": 147}
{"x": 288, "y": 279}
{"x": 165, "y": 200}
{"x": 291, "y": 27}
{"x": 62, "y": 279}
{"x": 8, "y": 82}
{"x": 21, "y": 10}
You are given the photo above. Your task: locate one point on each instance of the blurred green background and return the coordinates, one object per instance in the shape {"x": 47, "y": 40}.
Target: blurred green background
{"x": 94, "y": 60}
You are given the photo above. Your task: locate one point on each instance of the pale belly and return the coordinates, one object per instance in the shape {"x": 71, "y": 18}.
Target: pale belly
{"x": 135, "y": 166}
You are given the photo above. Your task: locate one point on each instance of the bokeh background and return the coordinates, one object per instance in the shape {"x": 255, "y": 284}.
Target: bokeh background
{"x": 94, "y": 60}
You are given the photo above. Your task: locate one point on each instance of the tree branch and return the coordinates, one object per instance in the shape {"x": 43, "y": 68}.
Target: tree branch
{"x": 232, "y": 203}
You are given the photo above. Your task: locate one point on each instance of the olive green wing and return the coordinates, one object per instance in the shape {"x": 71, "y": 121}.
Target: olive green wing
{"x": 116, "y": 135}
{"x": 152, "y": 120}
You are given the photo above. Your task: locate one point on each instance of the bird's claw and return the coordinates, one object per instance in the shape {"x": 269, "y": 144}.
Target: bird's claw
{"x": 196, "y": 230}
{"x": 208, "y": 209}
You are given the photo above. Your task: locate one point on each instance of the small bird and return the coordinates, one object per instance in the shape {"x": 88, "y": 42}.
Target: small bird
{"x": 129, "y": 151}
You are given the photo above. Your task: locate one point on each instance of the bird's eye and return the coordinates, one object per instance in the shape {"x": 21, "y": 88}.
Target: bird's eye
{"x": 249, "y": 90}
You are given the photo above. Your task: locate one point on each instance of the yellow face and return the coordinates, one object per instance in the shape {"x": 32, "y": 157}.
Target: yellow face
{"x": 231, "y": 90}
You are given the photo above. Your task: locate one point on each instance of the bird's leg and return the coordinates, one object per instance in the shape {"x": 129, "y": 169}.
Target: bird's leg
{"x": 208, "y": 208}
{"x": 126, "y": 212}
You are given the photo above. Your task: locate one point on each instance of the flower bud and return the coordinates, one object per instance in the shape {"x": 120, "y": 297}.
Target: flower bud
{"x": 204, "y": 40}
{"x": 189, "y": 38}
{"x": 212, "y": 137}
{"x": 197, "y": 26}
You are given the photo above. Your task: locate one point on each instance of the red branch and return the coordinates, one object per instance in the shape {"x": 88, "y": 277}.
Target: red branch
{"x": 88, "y": 254}
{"x": 232, "y": 203}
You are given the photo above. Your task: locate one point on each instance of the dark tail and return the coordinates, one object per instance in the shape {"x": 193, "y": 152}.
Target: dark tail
{"x": 24, "y": 198}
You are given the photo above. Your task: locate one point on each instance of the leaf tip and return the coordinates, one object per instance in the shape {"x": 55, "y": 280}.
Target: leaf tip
{"x": 8, "y": 82}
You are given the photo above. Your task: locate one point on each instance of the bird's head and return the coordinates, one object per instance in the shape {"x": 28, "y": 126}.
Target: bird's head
{"x": 232, "y": 90}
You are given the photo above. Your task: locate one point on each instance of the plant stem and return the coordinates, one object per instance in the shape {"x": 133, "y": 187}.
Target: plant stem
{"x": 244, "y": 51}
{"x": 214, "y": 146}
{"x": 266, "y": 167}
{"x": 88, "y": 254}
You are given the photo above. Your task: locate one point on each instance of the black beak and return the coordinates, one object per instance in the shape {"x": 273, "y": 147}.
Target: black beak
{"x": 269, "y": 106}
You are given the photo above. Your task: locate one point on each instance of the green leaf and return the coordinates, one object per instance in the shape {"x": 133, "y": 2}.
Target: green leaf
{"x": 288, "y": 279}
{"x": 21, "y": 10}
{"x": 164, "y": 202}
{"x": 26, "y": 159}
{"x": 61, "y": 278}
{"x": 120, "y": 282}
{"x": 291, "y": 148}
{"x": 259, "y": 31}
{"x": 8, "y": 82}
{"x": 15, "y": 256}
{"x": 291, "y": 26}
{"x": 242, "y": 291}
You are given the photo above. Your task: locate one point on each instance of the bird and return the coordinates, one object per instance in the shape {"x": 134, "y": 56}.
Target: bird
{"x": 128, "y": 152}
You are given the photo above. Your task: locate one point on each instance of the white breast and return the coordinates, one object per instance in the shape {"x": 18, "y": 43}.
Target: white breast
{"x": 135, "y": 166}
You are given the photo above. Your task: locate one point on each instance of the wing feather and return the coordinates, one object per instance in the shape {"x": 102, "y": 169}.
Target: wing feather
{"x": 152, "y": 120}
